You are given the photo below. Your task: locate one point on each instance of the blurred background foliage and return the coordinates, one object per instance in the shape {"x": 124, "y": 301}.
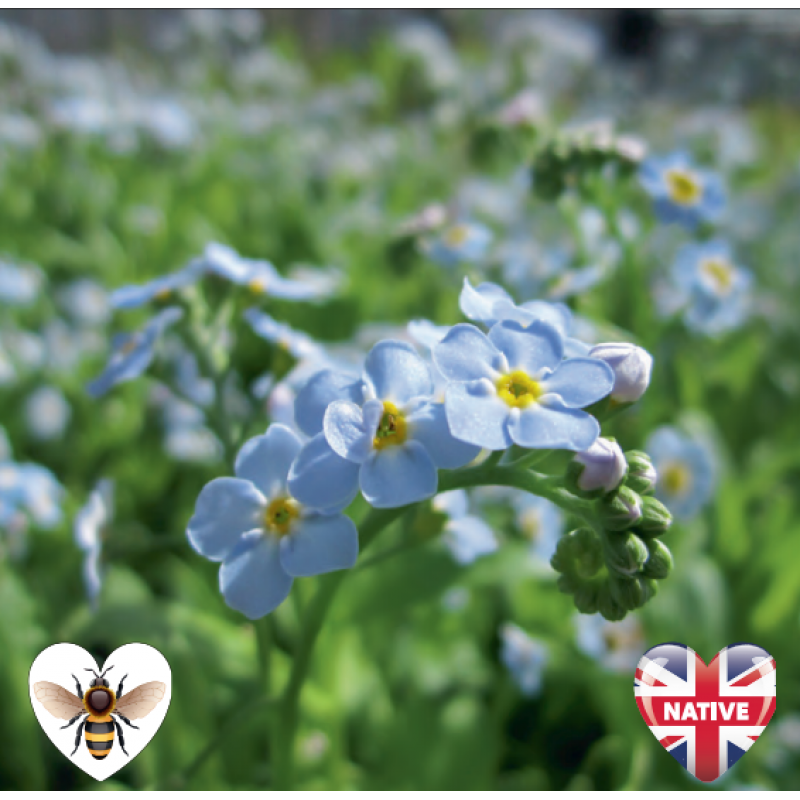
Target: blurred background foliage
{"x": 309, "y": 138}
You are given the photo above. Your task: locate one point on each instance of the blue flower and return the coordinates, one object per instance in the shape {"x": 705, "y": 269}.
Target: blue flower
{"x": 459, "y": 241}
{"x": 161, "y": 289}
{"x": 262, "y": 535}
{"x": 489, "y": 304}
{"x": 133, "y": 353}
{"x": 299, "y": 344}
{"x": 686, "y": 471}
{"x": 261, "y": 277}
{"x": 524, "y": 657}
{"x": 514, "y": 387}
{"x": 467, "y": 537}
{"x": 19, "y": 286}
{"x": 86, "y": 302}
{"x": 390, "y": 447}
{"x": 617, "y": 646}
{"x": 88, "y": 529}
{"x": 47, "y": 412}
{"x": 681, "y": 192}
{"x": 33, "y": 489}
{"x": 716, "y": 290}
{"x": 541, "y": 523}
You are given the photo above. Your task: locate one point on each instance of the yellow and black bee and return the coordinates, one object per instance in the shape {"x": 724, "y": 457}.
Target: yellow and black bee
{"x": 99, "y": 703}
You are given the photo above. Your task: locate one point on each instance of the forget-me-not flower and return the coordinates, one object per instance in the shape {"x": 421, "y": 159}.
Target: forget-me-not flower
{"x": 162, "y": 288}
{"x": 715, "y": 290}
{"x": 524, "y": 657}
{"x": 88, "y": 529}
{"x": 686, "y": 471}
{"x": 19, "y": 285}
{"x": 133, "y": 353}
{"x": 681, "y": 192}
{"x": 388, "y": 438}
{"x": 47, "y": 412}
{"x": 515, "y": 387}
{"x": 618, "y": 646}
{"x": 466, "y": 536}
{"x": 541, "y": 523}
{"x": 299, "y": 344}
{"x": 457, "y": 242}
{"x": 86, "y": 301}
{"x": 262, "y": 535}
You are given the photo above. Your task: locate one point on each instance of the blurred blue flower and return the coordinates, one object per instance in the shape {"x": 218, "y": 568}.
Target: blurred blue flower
{"x": 32, "y": 489}
{"x": 390, "y": 447}
{"x": 299, "y": 344}
{"x": 541, "y": 523}
{"x": 514, "y": 387}
{"x": 618, "y": 646}
{"x": 86, "y": 302}
{"x": 261, "y": 277}
{"x": 686, "y": 471}
{"x": 681, "y": 192}
{"x": 715, "y": 290}
{"x": 458, "y": 242}
{"x": 133, "y": 353}
{"x": 524, "y": 657}
{"x": 19, "y": 285}
{"x": 466, "y": 536}
{"x": 47, "y": 412}
{"x": 88, "y": 530}
{"x": 262, "y": 535}
{"x": 162, "y": 288}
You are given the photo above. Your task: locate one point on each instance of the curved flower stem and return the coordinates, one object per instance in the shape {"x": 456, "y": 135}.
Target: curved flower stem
{"x": 286, "y": 723}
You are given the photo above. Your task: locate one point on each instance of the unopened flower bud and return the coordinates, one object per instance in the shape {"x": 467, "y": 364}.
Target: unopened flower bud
{"x": 631, "y": 593}
{"x": 631, "y": 365}
{"x": 586, "y": 596}
{"x": 659, "y": 563}
{"x": 608, "y": 606}
{"x": 656, "y": 518}
{"x": 579, "y": 553}
{"x": 625, "y": 553}
{"x": 598, "y": 470}
{"x": 620, "y": 510}
{"x": 641, "y": 472}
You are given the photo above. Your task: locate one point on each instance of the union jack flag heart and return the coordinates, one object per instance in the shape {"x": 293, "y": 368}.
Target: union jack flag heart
{"x": 706, "y": 717}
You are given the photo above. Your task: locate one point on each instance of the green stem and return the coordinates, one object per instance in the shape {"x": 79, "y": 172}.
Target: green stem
{"x": 283, "y": 756}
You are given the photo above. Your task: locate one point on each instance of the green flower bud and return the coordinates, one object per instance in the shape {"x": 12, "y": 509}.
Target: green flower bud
{"x": 567, "y": 584}
{"x": 620, "y": 510}
{"x": 608, "y": 606}
{"x": 631, "y": 593}
{"x": 659, "y": 563}
{"x": 586, "y": 596}
{"x": 656, "y": 518}
{"x": 579, "y": 553}
{"x": 641, "y": 472}
{"x": 625, "y": 553}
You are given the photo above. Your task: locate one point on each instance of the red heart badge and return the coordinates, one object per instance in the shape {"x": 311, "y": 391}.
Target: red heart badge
{"x": 706, "y": 717}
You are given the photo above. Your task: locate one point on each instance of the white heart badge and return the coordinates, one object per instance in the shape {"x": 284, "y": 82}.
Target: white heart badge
{"x": 98, "y": 726}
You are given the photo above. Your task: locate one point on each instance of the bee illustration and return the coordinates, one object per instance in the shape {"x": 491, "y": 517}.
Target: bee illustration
{"x": 99, "y": 703}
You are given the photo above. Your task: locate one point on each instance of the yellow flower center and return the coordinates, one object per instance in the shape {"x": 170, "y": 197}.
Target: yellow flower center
{"x": 280, "y": 513}
{"x": 392, "y": 429}
{"x": 684, "y": 188}
{"x": 129, "y": 346}
{"x": 675, "y": 478}
{"x": 456, "y": 235}
{"x": 163, "y": 294}
{"x": 257, "y": 286}
{"x": 518, "y": 389}
{"x": 531, "y": 524}
{"x": 720, "y": 272}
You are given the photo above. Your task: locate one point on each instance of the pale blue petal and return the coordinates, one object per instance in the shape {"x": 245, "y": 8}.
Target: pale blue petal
{"x": 478, "y": 303}
{"x": 265, "y": 460}
{"x": 466, "y": 354}
{"x": 428, "y": 425}
{"x": 454, "y": 503}
{"x": 574, "y": 348}
{"x": 580, "y": 382}
{"x": 397, "y": 476}
{"x": 424, "y": 332}
{"x": 252, "y": 579}
{"x": 225, "y": 509}
{"x": 532, "y": 349}
{"x": 397, "y": 372}
{"x": 477, "y": 415}
{"x": 320, "y": 544}
{"x": 320, "y": 478}
{"x": 553, "y": 426}
{"x": 557, "y": 314}
{"x": 318, "y": 393}
{"x": 350, "y": 429}
{"x": 469, "y": 538}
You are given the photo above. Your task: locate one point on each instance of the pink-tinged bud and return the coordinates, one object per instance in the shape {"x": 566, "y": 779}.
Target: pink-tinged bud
{"x": 632, "y": 366}
{"x": 604, "y": 466}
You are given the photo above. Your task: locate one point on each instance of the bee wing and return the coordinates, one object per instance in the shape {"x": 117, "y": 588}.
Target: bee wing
{"x": 57, "y": 700}
{"x": 142, "y": 700}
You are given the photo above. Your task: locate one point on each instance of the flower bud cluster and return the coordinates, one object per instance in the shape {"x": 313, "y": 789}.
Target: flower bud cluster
{"x": 613, "y": 568}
